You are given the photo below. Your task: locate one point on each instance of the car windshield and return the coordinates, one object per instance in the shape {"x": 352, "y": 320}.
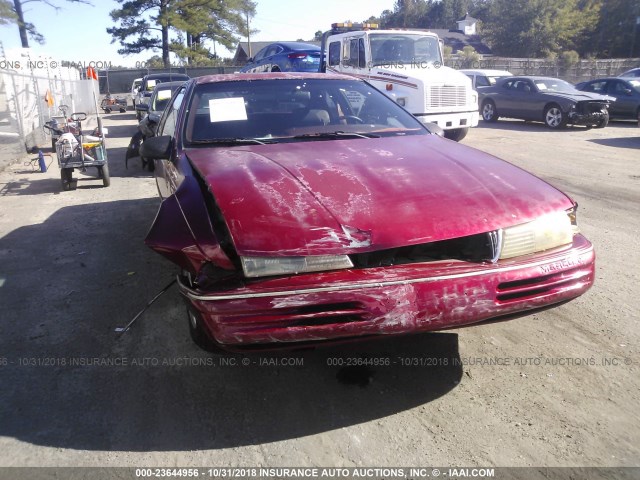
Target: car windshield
{"x": 161, "y": 99}
{"x": 408, "y": 49}
{"x": 269, "y": 111}
{"x": 635, "y": 84}
{"x": 554, "y": 85}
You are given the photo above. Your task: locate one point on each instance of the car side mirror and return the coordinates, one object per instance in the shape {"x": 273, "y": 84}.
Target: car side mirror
{"x": 142, "y": 107}
{"x": 154, "y": 117}
{"x": 157, "y": 148}
{"x": 435, "y": 129}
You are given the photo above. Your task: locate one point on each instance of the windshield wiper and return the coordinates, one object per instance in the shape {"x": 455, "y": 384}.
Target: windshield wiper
{"x": 231, "y": 140}
{"x": 337, "y": 134}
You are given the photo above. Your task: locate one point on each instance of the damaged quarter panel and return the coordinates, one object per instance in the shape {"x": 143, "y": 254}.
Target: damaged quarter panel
{"x": 311, "y": 207}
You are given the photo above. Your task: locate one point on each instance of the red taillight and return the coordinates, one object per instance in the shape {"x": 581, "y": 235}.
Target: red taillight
{"x": 297, "y": 55}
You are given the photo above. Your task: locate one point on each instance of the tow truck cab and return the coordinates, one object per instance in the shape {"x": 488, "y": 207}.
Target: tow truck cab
{"x": 407, "y": 65}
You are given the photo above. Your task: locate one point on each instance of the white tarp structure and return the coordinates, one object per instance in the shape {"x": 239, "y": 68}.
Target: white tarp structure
{"x": 31, "y": 94}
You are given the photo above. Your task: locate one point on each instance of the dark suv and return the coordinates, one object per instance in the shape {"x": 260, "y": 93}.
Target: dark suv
{"x": 149, "y": 82}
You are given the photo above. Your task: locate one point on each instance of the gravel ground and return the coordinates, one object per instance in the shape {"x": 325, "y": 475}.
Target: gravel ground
{"x": 565, "y": 391}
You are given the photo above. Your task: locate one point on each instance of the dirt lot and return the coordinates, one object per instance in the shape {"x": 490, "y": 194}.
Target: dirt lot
{"x": 73, "y": 267}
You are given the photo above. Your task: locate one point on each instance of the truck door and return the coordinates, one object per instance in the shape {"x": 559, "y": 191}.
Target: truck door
{"x": 354, "y": 56}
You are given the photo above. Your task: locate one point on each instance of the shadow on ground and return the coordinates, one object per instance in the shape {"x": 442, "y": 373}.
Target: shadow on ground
{"x": 69, "y": 382}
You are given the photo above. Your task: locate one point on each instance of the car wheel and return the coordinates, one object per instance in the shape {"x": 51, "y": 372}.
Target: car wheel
{"x": 456, "y": 134}
{"x": 275, "y": 69}
{"x": 554, "y": 117}
{"x": 489, "y": 112}
{"x": 103, "y": 172}
{"x": 604, "y": 121}
{"x": 199, "y": 336}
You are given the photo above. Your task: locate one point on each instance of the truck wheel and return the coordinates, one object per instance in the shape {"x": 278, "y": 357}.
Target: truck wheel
{"x": 456, "y": 134}
{"x": 489, "y": 112}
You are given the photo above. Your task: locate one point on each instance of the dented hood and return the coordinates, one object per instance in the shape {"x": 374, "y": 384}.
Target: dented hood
{"x": 357, "y": 195}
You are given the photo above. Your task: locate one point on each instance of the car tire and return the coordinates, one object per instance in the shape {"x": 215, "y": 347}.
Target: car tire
{"x": 604, "y": 121}
{"x": 199, "y": 336}
{"x": 456, "y": 134}
{"x": 554, "y": 117}
{"x": 489, "y": 112}
{"x": 103, "y": 172}
{"x": 275, "y": 69}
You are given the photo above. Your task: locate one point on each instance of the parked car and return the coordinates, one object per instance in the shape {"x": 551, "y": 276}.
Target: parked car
{"x": 152, "y": 113}
{"x": 634, "y": 73}
{"x": 135, "y": 86}
{"x": 485, "y": 78}
{"x": 159, "y": 98}
{"x": 285, "y": 57}
{"x": 308, "y": 207}
{"x": 626, "y": 91}
{"x": 543, "y": 99}
{"x": 149, "y": 82}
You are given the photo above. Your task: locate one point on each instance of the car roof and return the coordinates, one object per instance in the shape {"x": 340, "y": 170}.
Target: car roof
{"x": 488, "y": 72}
{"x": 237, "y": 77}
{"x": 298, "y": 45}
{"x": 164, "y": 85}
{"x": 153, "y": 76}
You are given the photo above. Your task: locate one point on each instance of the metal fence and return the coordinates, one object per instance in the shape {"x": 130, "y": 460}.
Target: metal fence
{"x": 582, "y": 71}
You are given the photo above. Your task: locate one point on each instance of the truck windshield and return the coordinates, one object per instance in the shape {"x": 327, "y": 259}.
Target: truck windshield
{"x": 404, "y": 48}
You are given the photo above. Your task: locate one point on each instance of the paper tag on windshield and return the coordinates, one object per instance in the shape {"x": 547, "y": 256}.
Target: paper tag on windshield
{"x": 164, "y": 94}
{"x": 151, "y": 84}
{"x": 227, "y": 109}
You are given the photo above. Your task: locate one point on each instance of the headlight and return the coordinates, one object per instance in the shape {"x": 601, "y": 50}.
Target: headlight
{"x": 267, "y": 266}
{"x": 548, "y": 231}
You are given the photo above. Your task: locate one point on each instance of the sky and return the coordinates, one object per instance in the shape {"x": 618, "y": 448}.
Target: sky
{"x": 78, "y": 32}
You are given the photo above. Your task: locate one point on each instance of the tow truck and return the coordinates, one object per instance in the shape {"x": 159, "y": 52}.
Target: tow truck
{"x": 406, "y": 65}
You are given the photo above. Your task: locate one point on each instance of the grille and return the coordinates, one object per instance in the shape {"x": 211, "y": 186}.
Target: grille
{"x": 309, "y": 316}
{"x": 473, "y": 248}
{"x": 534, "y": 287}
{"x": 444, "y": 96}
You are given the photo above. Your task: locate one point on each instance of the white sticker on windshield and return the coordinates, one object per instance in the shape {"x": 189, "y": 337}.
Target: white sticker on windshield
{"x": 151, "y": 84}
{"x": 227, "y": 109}
{"x": 164, "y": 94}
{"x": 541, "y": 86}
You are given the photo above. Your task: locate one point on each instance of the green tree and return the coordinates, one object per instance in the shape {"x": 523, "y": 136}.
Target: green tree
{"x": 7, "y": 14}
{"x": 147, "y": 25}
{"x": 218, "y": 21}
{"x": 617, "y": 34}
{"x": 536, "y": 28}
{"x": 15, "y": 14}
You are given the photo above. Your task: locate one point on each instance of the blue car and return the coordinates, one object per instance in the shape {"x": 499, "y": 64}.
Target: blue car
{"x": 285, "y": 57}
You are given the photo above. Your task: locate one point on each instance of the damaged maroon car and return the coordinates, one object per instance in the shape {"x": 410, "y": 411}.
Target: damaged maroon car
{"x": 311, "y": 207}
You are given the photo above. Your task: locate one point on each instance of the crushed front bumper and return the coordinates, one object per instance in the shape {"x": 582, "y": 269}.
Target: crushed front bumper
{"x": 392, "y": 300}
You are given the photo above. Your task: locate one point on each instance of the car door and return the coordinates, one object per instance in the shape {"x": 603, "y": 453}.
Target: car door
{"x": 627, "y": 99}
{"x": 517, "y": 99}
{"x": 168, "y": 178}
{"x": 270, "y": 61}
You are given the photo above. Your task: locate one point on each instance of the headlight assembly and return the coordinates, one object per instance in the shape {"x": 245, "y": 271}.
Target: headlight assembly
{"x": 268, "y": 266}
{"x": 549, "y": 231}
